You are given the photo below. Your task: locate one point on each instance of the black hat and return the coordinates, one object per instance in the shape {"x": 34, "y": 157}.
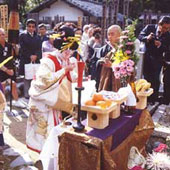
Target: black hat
{"x": 67, "y": 31}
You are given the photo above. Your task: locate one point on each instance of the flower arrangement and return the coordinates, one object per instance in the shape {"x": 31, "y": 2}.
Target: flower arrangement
{"x": 123, "y": 69}
{"x": 69, "y": 41}
{"x": 158, "y": 160}
{"x": 125, "y": 58}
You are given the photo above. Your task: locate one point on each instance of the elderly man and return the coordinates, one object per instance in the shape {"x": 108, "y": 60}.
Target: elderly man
{"x": 100, "y": 63}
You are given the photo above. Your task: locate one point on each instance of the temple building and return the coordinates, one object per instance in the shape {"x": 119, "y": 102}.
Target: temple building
{"x": 84, "y": 11}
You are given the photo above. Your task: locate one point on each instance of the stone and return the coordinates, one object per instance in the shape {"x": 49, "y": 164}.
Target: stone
{"x": 21, "y": 160}
{"x": 18, "y": 104}
{"x": 161, "y": 121}
{"x": 162, "y": 107}
{"x": 28, "y": 168}
{"x": 156, "y": 117}
{"x": 11, "y": 152}
{"x": 168, "y": 109}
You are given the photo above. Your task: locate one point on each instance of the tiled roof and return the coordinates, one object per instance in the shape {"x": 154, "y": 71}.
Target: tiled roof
{"x": 94, "y": 9}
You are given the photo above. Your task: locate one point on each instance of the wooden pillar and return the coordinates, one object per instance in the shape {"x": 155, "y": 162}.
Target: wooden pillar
{"x": 145, "y": 18}
{"x": 62, "y": 18}
{"x": 4, "y": 18}
{"x": 115, "y": 10}
{"x": 80, "y": 22}
{"x": 85, "y": 20}
{"x": 150, "y": 16}
{"x": 158, "y": 16}
{"x": 56, "y": 19}
{"x": 103, "y": 24}
{"x": 126, "y": 8}
{"x": 110, "y": 13}
{"x": 125, "y": 11}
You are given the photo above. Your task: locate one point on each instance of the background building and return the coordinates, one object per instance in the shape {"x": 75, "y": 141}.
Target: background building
{"x": 54, "y": 11}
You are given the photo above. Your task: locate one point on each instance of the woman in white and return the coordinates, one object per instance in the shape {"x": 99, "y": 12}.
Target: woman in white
{"x": 55, "y": 68}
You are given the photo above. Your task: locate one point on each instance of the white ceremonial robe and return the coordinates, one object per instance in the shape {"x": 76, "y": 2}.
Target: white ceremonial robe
{"x": 43, "y": 96}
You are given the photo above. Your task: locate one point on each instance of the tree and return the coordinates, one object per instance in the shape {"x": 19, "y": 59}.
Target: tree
{"x": 25, "y": 6}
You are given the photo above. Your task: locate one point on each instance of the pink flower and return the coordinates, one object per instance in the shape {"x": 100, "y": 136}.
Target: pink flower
{"x": 128, "y": 52}
{"x": 129, "y": 43}
{"x": 130, "y": 68}
{"x": 116, "y": 68}
{"x": 137, "y": 168}
{"x": 161, "y": 147}
{"x": 124, "y": 63}
{"x": 117, "y": 75}
{"x": 123, "y": 71}
{"x": 131, "y": 62}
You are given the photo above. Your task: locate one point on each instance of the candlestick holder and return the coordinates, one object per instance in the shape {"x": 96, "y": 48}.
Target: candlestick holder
{"x": 79, "y": 127}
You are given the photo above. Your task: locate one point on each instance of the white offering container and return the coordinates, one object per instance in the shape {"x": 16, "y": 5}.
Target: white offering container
{"x": 97, "y": 117}
{"x": 116, "y": 113}
{"x": 142, "y": 96}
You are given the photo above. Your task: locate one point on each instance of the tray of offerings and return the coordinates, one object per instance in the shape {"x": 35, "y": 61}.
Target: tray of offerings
{"x": 117, "y": 97}
{"x": 98, "y": 111}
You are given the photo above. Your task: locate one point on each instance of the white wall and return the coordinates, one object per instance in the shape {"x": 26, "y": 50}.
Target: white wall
{"x": 62, "y": 9}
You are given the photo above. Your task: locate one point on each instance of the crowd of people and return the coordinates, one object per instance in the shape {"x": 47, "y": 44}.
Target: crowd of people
{"x": 57, "y": 54}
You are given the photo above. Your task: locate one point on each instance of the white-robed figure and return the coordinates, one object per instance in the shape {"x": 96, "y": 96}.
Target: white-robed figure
{"x": 55, "y": 69}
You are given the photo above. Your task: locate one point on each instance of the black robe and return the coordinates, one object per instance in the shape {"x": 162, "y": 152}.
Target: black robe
{"x": 153, "y": 57}
{"x": 29, "y": 45}
{"x": 103, "y": 75}
{"x": 6, "y": 52}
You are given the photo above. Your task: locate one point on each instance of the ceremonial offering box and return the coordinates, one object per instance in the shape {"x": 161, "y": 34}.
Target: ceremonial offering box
{"x": 116, "y": 113}
{"x": 98, "y": 117}
{"x": 142, "y": 96}
{"x": 117, "y": 98}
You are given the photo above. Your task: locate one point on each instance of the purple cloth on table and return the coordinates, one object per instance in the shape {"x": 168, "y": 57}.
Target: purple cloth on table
{"x": 119, "y": 128}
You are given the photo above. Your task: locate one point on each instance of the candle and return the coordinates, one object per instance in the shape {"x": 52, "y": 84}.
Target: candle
{"x": 78, "y": 57}
{"x": 81, "y": 66}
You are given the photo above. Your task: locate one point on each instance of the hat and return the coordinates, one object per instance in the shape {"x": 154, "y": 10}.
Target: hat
{"x": 67, "y": 31}
{"x": 62, "y": 44}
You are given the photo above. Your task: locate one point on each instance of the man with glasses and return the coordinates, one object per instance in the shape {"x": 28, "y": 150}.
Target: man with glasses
{"x": 30, "y": 50}
{"x": 155, "y": 37}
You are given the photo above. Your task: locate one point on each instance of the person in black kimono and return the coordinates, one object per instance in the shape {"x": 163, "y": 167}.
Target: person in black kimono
{"x": 155, "y": 39}
{"x": 100, "y": 64}
{"x": 29, "y": 50}
{"x": 166, "y": 73}
{"x": 8, "y": 70}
